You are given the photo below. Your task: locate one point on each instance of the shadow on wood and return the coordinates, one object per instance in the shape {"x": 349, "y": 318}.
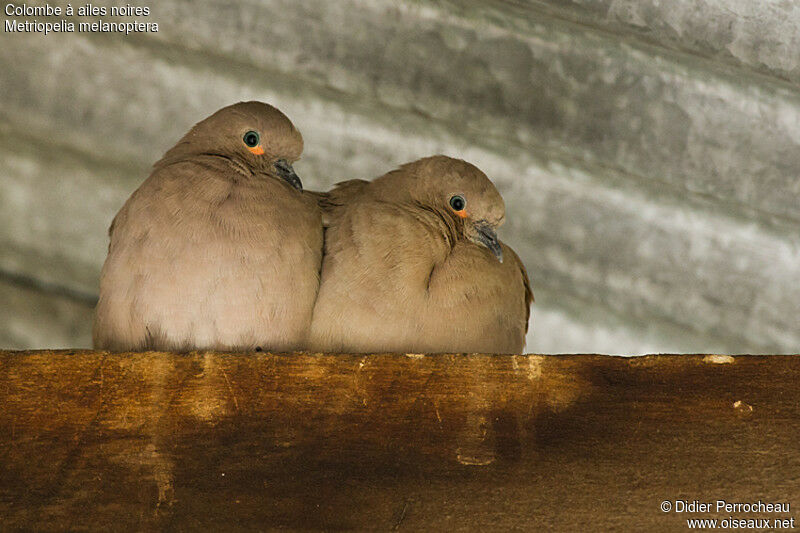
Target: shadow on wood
{"x": 155, "y": 441}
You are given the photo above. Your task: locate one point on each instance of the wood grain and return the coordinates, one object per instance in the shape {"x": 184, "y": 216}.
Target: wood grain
{"x": 153, "y": 441}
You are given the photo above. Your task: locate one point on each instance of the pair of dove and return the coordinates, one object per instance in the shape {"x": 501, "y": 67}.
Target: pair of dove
{"x": 221, "y": 249}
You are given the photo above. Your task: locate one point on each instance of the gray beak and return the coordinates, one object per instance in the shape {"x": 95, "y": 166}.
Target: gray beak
{"x": 286, "y": 172}
{"x": 488, "y": 237}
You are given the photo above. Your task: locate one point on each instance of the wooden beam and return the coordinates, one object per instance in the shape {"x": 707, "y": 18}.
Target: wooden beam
{"x": 99, "y": 441}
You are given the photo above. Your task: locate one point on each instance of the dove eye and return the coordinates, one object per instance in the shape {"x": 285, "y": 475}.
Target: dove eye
{"x": 458, "y": 203}
{"x": 251, "y": 139}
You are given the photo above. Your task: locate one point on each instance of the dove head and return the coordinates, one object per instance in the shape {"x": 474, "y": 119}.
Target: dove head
{"x": 252, "y": 135}
{"x": 458, "y": 192}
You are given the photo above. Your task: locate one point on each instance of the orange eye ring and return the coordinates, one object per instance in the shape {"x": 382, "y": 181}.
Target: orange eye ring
{"x": 251, "y": 140}
{"x": 459, "y": 205}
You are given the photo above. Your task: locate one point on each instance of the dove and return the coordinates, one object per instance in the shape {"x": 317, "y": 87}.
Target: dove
{"x": 412, "y": 263}
{"x": 219, "y": 248}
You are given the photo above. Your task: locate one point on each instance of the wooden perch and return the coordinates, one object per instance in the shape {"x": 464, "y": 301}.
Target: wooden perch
{"x": 157, "y": 441}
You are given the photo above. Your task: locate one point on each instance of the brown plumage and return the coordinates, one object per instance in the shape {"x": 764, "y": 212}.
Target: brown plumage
{"x": 219, "y": 248}
{"x": 406, "y": 270}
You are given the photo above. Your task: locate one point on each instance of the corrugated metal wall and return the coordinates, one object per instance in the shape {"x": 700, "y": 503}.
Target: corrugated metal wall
{"x": 648, "y": 151}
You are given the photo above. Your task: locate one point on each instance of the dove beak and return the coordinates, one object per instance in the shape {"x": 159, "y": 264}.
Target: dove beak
{"x": 488, "y": 237}
{"x": 287, "y": 173}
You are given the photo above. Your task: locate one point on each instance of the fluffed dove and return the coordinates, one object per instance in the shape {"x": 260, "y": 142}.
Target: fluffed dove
{"x": 412, "y": 263}
{"x": 219, "y": 248}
